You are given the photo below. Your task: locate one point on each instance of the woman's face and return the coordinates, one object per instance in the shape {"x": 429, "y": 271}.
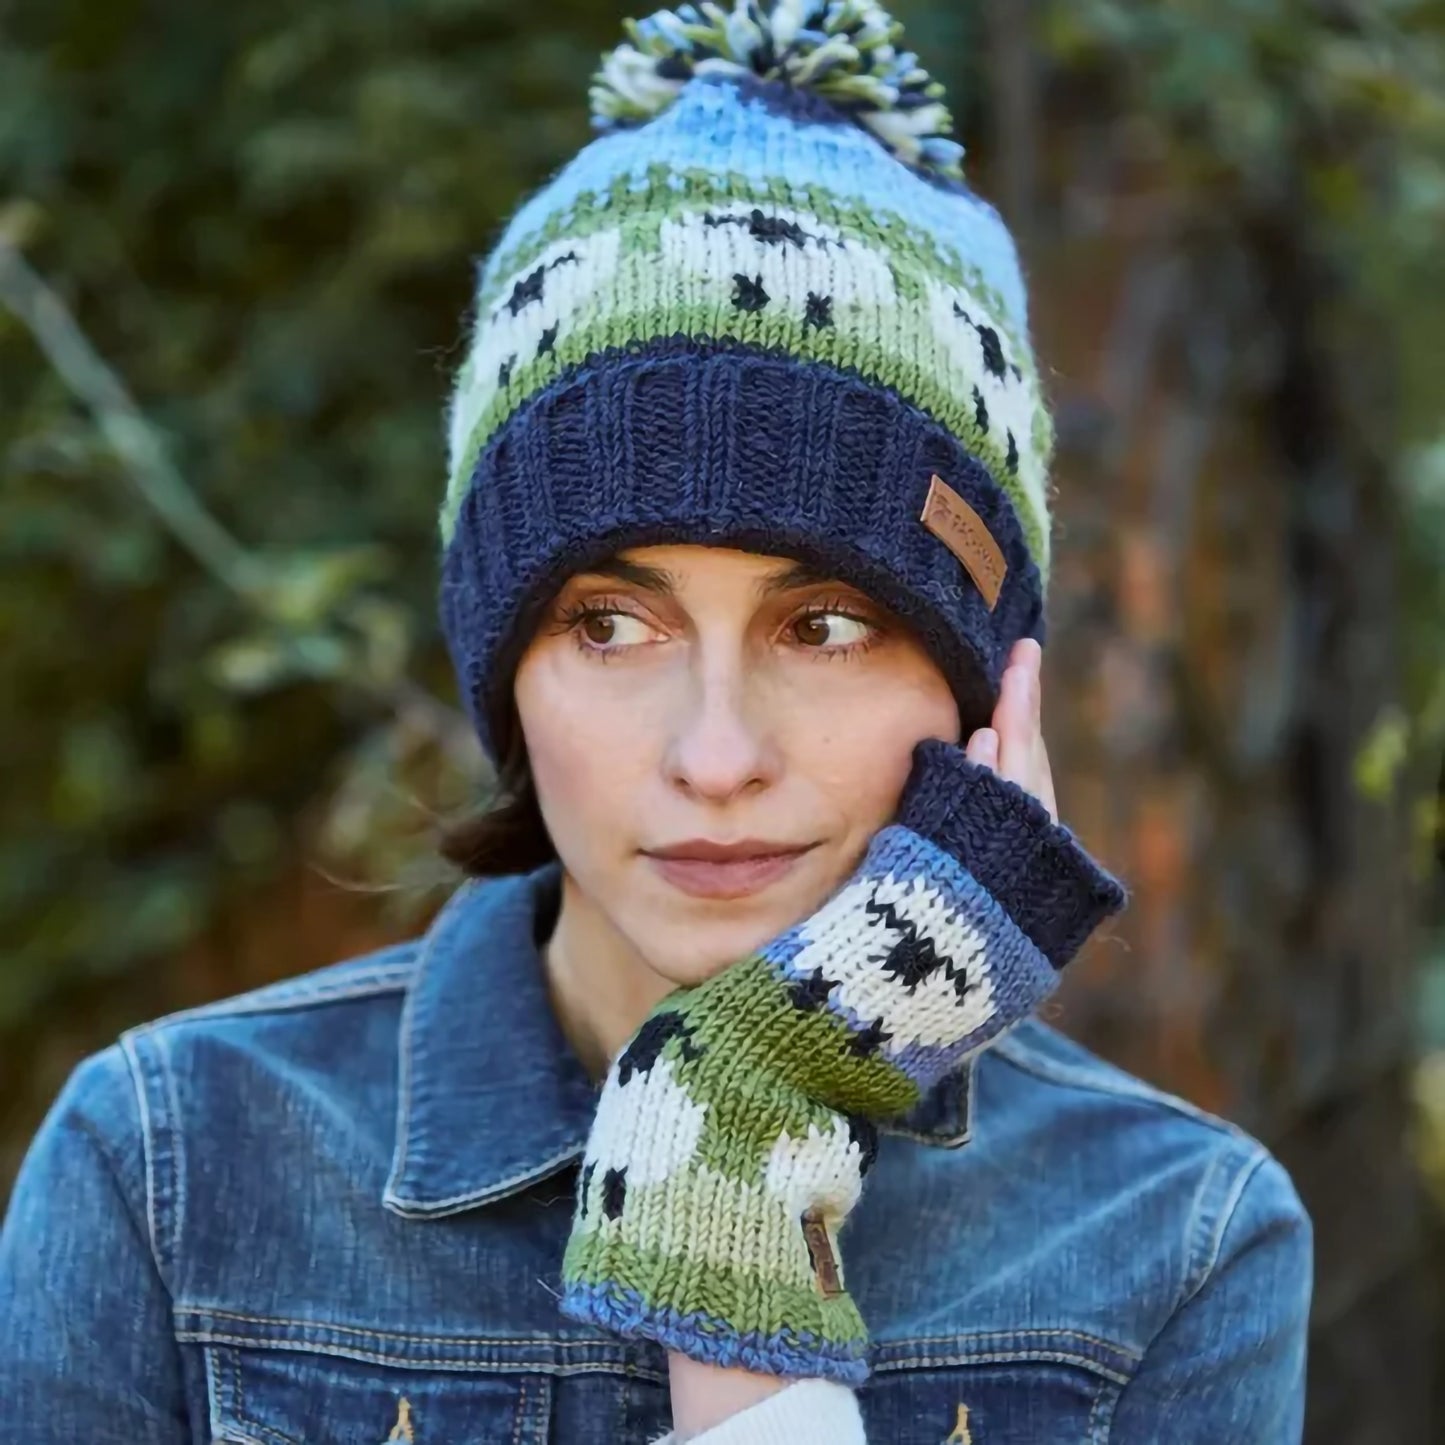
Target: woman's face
{"x": 685, "y": 693}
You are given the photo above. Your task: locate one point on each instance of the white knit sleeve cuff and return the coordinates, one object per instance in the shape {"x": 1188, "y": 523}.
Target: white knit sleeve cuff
{"x": 808, "y": 1412}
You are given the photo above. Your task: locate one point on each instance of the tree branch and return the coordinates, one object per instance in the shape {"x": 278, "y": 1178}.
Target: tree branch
{"x": 143, "y": 454}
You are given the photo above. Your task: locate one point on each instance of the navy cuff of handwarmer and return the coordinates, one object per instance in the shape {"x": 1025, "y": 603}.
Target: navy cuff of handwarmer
{"x": 1036, "y": 869}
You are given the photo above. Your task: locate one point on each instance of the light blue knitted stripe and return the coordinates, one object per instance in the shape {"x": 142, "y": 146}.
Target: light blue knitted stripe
{"x": 712, "y": 125}
{"x": 705, "y": 1337}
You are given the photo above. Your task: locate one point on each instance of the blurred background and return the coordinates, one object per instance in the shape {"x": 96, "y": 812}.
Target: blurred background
{"x": 235, "y": 255}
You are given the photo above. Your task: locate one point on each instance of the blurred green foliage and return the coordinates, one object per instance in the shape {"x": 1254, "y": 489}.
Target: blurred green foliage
{"x": 215, "y": 601}
{"x": 234, "y": 267}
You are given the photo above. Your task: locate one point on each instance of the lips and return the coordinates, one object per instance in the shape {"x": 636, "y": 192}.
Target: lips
{"x": 723, "y": 871}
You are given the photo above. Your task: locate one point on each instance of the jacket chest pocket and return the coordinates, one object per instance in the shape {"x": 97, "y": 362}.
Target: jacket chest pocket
{"x": 1022, "y": 1400}
{"x": 298, "y": 1397}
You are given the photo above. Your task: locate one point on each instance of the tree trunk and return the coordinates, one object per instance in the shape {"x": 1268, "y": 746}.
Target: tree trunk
{"x": 1223, "y": 633}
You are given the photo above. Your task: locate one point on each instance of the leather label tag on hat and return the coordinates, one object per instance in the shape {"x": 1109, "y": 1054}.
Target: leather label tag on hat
{"x": 964, "y": 533}
{"x": 820, "y": 1254}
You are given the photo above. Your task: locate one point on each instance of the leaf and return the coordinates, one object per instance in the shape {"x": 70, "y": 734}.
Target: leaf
{"x": 1382, "y": 755}
{"x": 266, "y": 661}
{"x": 304, "y": 589}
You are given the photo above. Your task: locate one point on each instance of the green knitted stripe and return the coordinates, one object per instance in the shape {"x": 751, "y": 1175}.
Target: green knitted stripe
{"x": 710, "y": 1217}
{"x": 746, "y": 1299}
{"x": 669, "y": 193}
{"x": 858, "y": 340}
{"x": 738, "y": 1134}
{"x": 748, "y": 1002}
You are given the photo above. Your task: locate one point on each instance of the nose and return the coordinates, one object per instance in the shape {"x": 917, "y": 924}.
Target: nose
{"x": 721, "y": 746}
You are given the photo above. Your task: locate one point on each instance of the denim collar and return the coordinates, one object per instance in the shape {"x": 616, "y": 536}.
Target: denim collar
{"x": 492, "y": 1096}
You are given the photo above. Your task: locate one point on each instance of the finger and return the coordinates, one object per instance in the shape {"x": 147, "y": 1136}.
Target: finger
{"x": 1016, "y": 719}
{"x": 1044, "y": 779}
{"x": 983, "y": 748}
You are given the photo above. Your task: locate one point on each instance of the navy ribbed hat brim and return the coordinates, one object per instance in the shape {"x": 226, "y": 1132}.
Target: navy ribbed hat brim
{"x": 718, "y": 443}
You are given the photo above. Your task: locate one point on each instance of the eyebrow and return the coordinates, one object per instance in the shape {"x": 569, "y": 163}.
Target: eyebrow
{"x": 650, "y": 579}
{"x": 659, "y": 580}
{"x": 800, "y": 574}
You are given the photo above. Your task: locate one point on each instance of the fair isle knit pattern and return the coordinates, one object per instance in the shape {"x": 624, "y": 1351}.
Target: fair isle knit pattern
{"x": 781, "y": 278}
{"x": 759, "y": 311}
{"x": 742, "y": 1110}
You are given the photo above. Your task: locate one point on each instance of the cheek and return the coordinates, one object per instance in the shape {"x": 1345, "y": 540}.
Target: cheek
{"x": 585, "y": 749}
{"x": 857, "y": 750}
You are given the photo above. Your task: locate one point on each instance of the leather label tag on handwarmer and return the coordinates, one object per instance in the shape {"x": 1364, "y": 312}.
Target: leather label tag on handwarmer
{"x": 820, "y": 1252}
{"x": 965, "y": 534}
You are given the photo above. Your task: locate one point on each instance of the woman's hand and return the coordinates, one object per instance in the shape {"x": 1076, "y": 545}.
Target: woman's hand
{"x": 1014, "y": 746}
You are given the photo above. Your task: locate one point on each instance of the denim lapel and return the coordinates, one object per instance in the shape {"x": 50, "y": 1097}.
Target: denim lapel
{"x": 492, "y": 1097}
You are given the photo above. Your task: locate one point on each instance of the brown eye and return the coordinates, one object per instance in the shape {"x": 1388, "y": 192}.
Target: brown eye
{"x": 601, "y": 631}
{"x": 836, "y": 631}
{"x": 813, "y": 630}
{"x": 599, "y": 627}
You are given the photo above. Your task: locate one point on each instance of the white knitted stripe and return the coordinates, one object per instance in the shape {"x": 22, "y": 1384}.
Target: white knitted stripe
{"x": 822, "y": 1170}
{"x": 709, "y": 245}
{"x": 650, "y": 1126}
{"x": 849, "y": 943}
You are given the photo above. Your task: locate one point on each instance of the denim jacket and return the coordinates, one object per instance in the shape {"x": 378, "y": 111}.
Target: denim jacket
{"x": 334, "y": 1210}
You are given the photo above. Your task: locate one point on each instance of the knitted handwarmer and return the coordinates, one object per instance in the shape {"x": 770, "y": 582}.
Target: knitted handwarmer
{"x": 735, "y": 1129}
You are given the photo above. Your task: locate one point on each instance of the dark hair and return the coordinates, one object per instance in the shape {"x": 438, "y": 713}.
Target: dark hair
{"x": 508, "y": 835}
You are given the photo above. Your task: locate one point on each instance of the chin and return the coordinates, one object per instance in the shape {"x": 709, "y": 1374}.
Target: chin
{"x": 700, "y": 956}
{"x": 688, "y": 942}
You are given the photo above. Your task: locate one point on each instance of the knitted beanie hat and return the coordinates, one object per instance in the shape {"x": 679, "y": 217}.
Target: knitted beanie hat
{"x": 762, "y": 311}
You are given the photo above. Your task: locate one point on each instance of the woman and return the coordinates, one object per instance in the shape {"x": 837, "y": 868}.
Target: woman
{"x": 745, "y": 553}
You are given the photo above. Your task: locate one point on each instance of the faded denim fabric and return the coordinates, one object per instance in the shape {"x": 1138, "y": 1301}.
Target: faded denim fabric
{"x": 334, "y": 1210}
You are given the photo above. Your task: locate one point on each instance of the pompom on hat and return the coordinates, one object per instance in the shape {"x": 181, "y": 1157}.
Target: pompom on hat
{"x": 761, "y": 310}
